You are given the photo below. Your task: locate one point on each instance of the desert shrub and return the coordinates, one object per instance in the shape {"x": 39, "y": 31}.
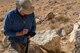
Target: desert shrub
{"x": 50, "y": 16}
{"x": 68, "y": 29}
{"x": 62, "y": 18}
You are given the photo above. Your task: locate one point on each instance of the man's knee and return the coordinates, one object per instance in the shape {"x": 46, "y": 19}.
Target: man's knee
{"x": 16, "y": 47}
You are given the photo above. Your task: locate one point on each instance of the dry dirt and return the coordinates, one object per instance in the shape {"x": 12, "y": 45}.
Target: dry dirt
{"x": 51, "y": 14}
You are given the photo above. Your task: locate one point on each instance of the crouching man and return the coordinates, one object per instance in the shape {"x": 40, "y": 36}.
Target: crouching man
{"x": 20, "y": 24}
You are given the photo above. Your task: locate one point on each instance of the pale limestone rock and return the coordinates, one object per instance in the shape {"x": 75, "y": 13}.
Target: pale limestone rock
{"x": 37, "y": 20}
{"x": 73, "y": 33}
{"x": 48, "y": 39}
{"x": 63, "y": 32}
{"x": 77, "y": 43}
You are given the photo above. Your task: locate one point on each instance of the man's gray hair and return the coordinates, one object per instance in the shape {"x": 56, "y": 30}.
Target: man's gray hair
{"x": 22, "y": 3}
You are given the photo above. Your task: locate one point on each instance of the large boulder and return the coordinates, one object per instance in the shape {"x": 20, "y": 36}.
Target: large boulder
{"x": 48, "y": 40}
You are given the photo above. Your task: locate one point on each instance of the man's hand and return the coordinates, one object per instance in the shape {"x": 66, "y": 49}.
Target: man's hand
{"x": 29, "y": 37}
{"x": 19, "y": 33}
{"x": 31, "y": 34}
{"x": 25, "y": 31}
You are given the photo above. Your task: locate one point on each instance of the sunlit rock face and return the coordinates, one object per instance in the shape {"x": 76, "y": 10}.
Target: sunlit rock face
{"x": 73, "y": 33}
{"x": 48, "y": 39}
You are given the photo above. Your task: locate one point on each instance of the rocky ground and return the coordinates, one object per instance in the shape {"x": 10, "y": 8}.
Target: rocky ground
{"x": 51, "y": 16}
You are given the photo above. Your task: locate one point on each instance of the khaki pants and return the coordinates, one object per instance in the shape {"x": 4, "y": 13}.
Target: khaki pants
{"x": 20, "y": 48}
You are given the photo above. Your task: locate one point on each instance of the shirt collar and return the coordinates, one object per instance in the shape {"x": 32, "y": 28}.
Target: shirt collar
{"x": 16, "y": 10}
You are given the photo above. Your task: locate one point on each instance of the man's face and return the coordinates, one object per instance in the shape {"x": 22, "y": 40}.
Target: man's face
{"x": 27, "y": 8}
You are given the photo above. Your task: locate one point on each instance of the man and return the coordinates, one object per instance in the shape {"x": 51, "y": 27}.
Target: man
{"x": 18, "y": 23}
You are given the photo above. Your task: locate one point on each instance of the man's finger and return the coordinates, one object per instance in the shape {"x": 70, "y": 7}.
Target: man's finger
{"x": 29, "y": 36}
